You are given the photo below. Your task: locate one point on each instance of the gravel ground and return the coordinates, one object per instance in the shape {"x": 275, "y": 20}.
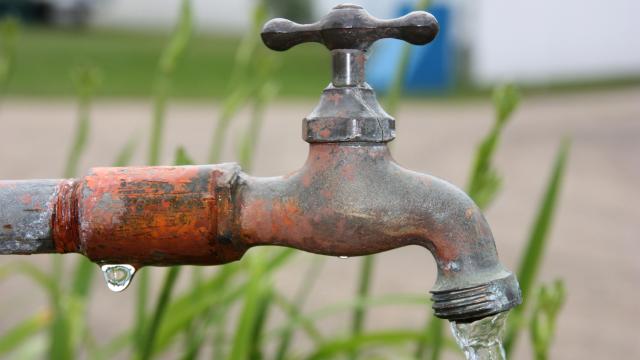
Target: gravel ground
{"x": 593, "y": 245}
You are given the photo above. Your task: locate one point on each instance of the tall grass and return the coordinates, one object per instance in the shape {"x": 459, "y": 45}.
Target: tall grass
{"x": 229, "y": 312}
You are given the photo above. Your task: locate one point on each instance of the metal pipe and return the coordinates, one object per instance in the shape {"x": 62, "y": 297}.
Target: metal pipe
{"x": 26, "y": 215}
{"x": 349, "y": 199}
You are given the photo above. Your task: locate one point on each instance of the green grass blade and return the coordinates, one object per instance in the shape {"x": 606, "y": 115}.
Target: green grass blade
{"x": 332, "y": 348}
{"x": 60, "y": 332}
{"x": 531, "y": 258}
{"x": 294, "y": 309}
{"x": 220, "y": 336}
{"x": 295, "y": 317}
{"x": 126, "y": 152}
{"x": 197, "y": 334}
{"x": 250, "y": 138}
{"x": 44, "y": 280}
{"x": 231, "y": 105}
{"x": 544, "y": 317}
{"x": 260, "y": 323}
{"x": 161, "y": 93}
{"x": 243, "y": 82}
{"x": 86, "y": 79}
{"x": 159, "y": 312}
{"x": 182, "y": 158}
{"x": 484, "y": 181}
{"x": 364, "y": 283}
{"x": 337, "y": 308}
{"x": 217, "y": 292}
{"x": 434, "y": 332}
{"x": 169, "y": 59}
{"x": 253, "y": 296}
{"x": 17, "y": 335}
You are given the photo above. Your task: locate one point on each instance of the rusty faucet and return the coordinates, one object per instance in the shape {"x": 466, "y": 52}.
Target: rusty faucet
{"x": 349, "y": 199}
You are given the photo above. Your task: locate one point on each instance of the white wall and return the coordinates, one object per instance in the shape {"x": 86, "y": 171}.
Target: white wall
{"x": 219, "y": 15}
{"x": 549, "y": 40}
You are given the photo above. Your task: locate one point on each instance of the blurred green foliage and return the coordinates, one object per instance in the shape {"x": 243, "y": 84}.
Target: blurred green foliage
{"x": 550, "y": 300}
{"x": 129, "y": 61}
{"x": 8, "y": 36}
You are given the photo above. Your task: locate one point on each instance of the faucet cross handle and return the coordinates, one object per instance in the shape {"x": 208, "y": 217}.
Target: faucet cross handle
{"x": 350, "y": 26}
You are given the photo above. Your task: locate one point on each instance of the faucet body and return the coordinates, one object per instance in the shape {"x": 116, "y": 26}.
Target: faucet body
{"x": 349, "y": 199}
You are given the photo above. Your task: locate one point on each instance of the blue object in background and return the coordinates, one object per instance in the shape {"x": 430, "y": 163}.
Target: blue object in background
{"x": 430, "y": 67}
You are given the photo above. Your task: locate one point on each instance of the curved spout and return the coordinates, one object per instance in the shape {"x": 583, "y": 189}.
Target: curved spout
{"x": 353, "y": 199}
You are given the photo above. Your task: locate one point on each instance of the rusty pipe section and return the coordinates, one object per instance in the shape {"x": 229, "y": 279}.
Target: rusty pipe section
{"x": 137, "y": 215}
{"x": 349, "y": 199}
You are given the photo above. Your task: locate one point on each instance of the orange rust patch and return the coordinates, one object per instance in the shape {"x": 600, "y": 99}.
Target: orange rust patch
{"x": 155, "y": 215}
{"x": 65, "y": 218}
{"x": 325, "y": 133}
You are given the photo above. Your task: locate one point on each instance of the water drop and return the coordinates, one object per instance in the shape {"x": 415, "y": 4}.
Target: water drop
{"x": 343, "y": 257}
{"x": 118, "y": 276}
{"x": 482, "y": 339}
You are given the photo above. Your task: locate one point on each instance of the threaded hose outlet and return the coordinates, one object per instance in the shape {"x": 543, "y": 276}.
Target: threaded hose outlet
{"x": 477, "y": 302}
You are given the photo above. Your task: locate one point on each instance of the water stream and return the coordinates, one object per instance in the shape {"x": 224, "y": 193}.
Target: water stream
{"x": 482, "y": 339}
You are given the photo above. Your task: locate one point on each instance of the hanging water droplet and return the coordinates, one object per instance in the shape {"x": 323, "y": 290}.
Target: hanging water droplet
{"x": 343, "y": 257}
{"x": 118, "y": 276}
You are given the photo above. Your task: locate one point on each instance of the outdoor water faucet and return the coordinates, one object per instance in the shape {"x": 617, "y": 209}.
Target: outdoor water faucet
{"x": 349, "y": 199}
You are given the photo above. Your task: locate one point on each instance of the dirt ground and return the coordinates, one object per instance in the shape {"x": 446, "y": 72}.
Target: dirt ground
{"x": 594, "y": 243}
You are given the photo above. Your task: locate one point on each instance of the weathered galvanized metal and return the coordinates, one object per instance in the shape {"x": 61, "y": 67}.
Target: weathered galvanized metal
{"x": 349, "y": 199}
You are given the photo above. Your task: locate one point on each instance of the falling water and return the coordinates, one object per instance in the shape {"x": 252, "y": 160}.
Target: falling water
{"x": 482, "y": 339}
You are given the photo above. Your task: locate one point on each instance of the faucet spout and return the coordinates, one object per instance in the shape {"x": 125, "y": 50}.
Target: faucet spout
{"x": 352, "y": 199}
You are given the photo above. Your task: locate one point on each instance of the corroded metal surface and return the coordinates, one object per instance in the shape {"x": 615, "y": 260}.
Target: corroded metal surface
{"x": 353, "y": 199}
{"x": 350, "y": 27}
{"x": 26, "y": 209}
{"x": 348, "y": 114}
{"x": 349, "y": 199}
{"x": 157, "y": 215}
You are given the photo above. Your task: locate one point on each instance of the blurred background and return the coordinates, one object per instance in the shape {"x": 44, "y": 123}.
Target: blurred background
{"x": 88, "y": 83}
